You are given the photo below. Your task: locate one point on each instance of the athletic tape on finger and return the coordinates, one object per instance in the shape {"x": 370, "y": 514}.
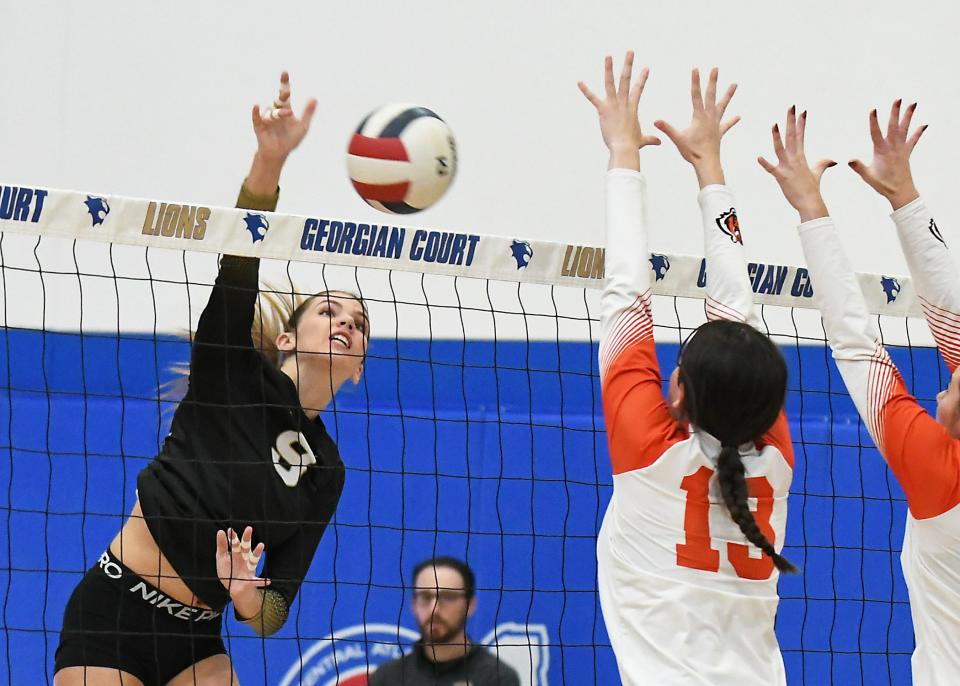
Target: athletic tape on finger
{"x": 251, "y": 560}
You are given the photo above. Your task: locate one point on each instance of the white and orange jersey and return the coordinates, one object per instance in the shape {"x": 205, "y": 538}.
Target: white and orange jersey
{"x": 923, "y": 457}
{"x": 686, "y": 599}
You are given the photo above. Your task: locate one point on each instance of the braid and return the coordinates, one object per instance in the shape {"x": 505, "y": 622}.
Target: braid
{"x": 733, "y": 486}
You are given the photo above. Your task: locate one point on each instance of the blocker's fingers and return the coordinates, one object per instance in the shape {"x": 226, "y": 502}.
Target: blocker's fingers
{"x": 633, "y": 99}
{"x": 875, "y": 135}
{"x": 907, "y": 118}
{"x": 769, "y": 168}
{"x": 588, "y": 94}
{"x": 791, "y": 133}
{"x": 695, "y": 96}
{"x": 822, "y": 166}
{"x": 862, "y": 170}
{"x": 639, "y": 86}
{"x": 710, "y": 100}
{"x": 725, "y": 100}
{"x": 778, "y": 144}
{"x": 729, "y": 124}
{"x": 668, "y": 130}
{"x": 608, "y": 77}
{"x": 894, "y": 121}
{"x": 625, "y": 74}
{"x": 912, "y": 142}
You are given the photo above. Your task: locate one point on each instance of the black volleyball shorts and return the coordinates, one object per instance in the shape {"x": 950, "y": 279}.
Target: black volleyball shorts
{"x": 116, "y": 619}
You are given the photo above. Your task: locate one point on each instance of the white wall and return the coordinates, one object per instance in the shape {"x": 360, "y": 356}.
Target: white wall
{"x": 153, "y": 101}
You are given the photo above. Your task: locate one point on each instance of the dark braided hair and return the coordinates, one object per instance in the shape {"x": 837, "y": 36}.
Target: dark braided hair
{"x": 735, "y": 382}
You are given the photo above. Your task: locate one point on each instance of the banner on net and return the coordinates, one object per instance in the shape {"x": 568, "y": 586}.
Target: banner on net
{"x": 378, "y": 243}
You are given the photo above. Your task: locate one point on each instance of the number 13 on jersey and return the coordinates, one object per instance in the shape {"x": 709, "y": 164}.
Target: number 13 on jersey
{"x": 697, "y": 553}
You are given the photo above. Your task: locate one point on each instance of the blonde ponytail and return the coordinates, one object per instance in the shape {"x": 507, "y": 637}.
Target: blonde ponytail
{"x": 271, "y": 316}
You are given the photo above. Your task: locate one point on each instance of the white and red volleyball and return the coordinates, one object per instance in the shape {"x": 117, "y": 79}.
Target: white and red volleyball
{"x": 402, "y": 158}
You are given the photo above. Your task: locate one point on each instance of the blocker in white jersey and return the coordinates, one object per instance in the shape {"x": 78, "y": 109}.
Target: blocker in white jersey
{"x": 923, "y": 452}
{"x": 688, "y": 553}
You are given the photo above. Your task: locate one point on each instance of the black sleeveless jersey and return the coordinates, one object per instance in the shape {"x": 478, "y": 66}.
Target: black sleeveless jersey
{"x": 240, "y": 452}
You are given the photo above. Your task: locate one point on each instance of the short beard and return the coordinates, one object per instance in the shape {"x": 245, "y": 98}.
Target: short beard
{"x": 446, "y": 638}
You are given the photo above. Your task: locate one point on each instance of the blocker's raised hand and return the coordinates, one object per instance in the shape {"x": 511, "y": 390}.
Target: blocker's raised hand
{"x": 618, "y": 108}
{"x": 700, "y": 141}
{"x": 799, "y": 182}
{"x": 889, "y": 172}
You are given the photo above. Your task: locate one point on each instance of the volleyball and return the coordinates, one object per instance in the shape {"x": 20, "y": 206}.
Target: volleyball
{"x": 402, "y": 158}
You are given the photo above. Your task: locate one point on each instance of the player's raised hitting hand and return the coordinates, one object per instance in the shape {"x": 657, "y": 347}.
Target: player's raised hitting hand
{"x": 279, "y": 131}
{"x": 889, "y": 171}
{"x": 799, "y": 181}
{"x": 699, "y": 143}
{"x": 617, "y": 110}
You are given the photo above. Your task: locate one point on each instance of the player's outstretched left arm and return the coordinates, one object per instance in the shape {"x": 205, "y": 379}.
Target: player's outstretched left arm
{"x": 625, "y": 311}
{"x": 729, "y": 295}
{"x": 934, "y": 273}
{"x": 627, "y": 271}
{"x": 637, "y": 419}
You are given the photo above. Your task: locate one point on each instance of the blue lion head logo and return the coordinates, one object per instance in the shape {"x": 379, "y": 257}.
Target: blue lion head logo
{"x": 522, "y": 253}
{"x": 891, "y": 288}
{"x": 97, "y": 208}
{"x": 660, "y": 264}
{"x": 257, "y": 225}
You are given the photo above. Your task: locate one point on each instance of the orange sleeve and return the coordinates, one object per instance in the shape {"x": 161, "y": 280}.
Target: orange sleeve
{"x": 639, "y": 426}
{"x": 922, "y": 455}
{"x": 779, "y": 437}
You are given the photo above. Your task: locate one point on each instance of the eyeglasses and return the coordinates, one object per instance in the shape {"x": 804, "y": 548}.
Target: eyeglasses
{"x": 442, "y": 597}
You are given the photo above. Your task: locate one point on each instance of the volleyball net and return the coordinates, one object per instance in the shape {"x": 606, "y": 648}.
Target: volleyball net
{"x": 475, "y": 432}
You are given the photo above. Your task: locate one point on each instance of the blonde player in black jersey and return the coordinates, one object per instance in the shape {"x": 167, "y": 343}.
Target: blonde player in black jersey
{"x": 247, "y": 452}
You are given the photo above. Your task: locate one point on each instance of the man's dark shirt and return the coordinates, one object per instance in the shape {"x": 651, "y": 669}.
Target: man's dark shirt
{"x": 479, "y": 667}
